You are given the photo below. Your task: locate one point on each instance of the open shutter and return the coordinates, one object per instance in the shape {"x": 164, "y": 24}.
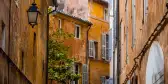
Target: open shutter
{"x": 103, "y": 46}
{"x": 107, "y": 47}
{"x": 85, "y": 74}
{"x": 94, "y": 53}
{"x": 91, "y": 49}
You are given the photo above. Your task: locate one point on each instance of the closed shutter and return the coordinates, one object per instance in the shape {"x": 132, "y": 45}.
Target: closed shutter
{"x": 94, "y": 50}
{"x": 91, "y": 49}
{"x": 103, "y": 46}
{"x": 107, "y": 47}
{"x": 85, "y": 74}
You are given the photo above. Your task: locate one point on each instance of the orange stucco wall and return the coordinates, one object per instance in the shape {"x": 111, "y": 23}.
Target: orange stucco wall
{"x": 77, "y": 46}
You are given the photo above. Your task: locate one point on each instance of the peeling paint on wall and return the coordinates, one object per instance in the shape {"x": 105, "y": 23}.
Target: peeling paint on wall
{"x": 78, "y": 8}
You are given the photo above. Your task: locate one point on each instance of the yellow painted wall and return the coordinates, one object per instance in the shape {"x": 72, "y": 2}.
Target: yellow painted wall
{"x": 96, "y": 9}
{"x": 97, "y": 67}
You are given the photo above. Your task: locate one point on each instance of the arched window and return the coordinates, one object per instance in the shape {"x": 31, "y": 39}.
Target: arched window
{"x": 155, "y": 65}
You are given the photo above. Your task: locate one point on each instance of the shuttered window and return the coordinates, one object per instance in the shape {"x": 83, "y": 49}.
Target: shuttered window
{"x": 133, "y": 22}
{"x": 92, "y": 49}
{"x": 105, "y": 46}
{"x": 85, "y": 74}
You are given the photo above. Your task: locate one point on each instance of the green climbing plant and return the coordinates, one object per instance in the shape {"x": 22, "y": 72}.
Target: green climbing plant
{"x": 59, "y": 65}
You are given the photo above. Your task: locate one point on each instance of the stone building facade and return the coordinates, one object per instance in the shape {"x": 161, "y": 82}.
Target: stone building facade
{"x": 144, "y": 48}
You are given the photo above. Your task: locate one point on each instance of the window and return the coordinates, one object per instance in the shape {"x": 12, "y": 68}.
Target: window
{"x": 34, "y": 45}
{"x": 145, "y": 10}
{"x": 105, "y": 46}
{"x": 93, "y": 49}
{"x": 3, "y": 34}
{"x": 106, "y": 14}
{"x": 102, "y": 78}
{"x": 77, "y": 31}
{"x": 128, "y": 82}
{"x": 60, "y": 23}
{"x": 84, "y": 74}
{"x": 76, "y": 72}
{"x": 133, "y": 22}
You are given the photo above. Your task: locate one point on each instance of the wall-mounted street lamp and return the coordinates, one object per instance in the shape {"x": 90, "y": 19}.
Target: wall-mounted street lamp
{"x": 32, "y": 13}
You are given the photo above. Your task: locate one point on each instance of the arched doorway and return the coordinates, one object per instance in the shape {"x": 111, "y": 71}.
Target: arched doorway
{"x": 155, "y": 65}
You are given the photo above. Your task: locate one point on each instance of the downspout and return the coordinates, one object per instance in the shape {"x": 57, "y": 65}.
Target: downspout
{"x": 47, "y": 53}
{"x": 114, "y": 38}
{"x": 47, "y": 47}
{"x": 9, "y": 36}
{"x": 118, "y": 41}
{"x": 87, "y": 51}
{"x": 87, "y": 44}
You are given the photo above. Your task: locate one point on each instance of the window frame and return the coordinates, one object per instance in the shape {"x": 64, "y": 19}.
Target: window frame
{"x": 105, "y": 46}
{"x": 76, "y": 31}
{"x": 60, "y": 23}
{"x": 92, "y": 49}
{"x": 106, "y": 16}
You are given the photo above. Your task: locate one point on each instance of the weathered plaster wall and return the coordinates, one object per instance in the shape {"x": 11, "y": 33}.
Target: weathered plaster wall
{"x": 78, "y": 8}
{"x": 100, "y": 26}
{"x": 97, "y": 69}
{"x": 156, "y": 10}
{"x": 4, "y": 18}
{"x": 22, "y": 39}
{"x": 77, "y": 46}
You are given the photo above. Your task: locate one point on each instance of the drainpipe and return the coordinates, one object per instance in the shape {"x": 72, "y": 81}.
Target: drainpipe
{"x": 47, "y": 53}
{"x": 87, "y": 51}
{"x": 118, "y": 42}
{"x": 9, "y": 36}
{"x": 87, "y": 44}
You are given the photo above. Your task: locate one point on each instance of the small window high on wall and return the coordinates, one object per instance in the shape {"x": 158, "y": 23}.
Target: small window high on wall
{"x": 77, "y": 31}
{"x": 106, "y": 14}
{"x": 3, "y": 36}
{"x": 59, "y": 23}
